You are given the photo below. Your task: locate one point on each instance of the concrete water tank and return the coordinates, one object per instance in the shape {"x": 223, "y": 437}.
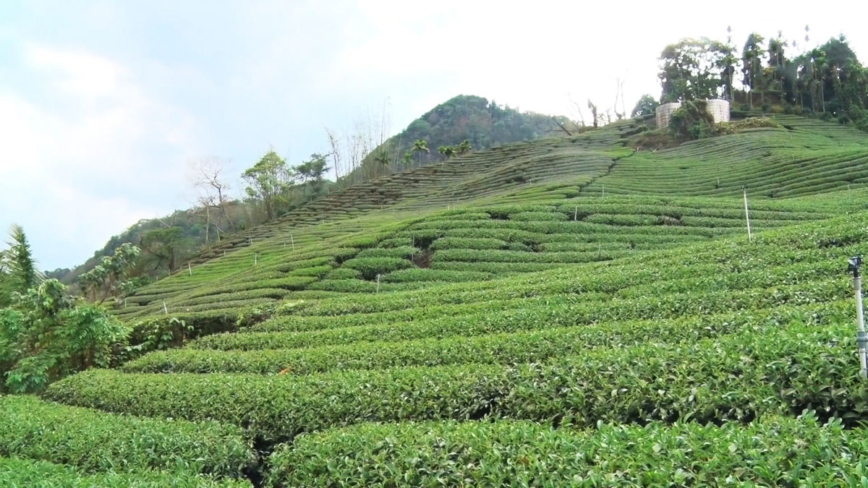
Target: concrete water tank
{"x": 664, "y": 111}
{"x": 719, "y": 110}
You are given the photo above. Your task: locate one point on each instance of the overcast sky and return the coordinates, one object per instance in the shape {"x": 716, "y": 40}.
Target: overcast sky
{"x": 103, "y": 103}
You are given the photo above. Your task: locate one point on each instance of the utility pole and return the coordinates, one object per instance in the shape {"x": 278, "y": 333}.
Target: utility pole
{"x": 747, "y": 216}
{"x": 856, "y": 268}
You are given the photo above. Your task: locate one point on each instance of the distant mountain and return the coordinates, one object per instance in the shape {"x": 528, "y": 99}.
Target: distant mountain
{"x": 481, "y": 122}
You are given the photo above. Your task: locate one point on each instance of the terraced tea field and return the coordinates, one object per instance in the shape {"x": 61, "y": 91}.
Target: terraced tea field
{"x": 501, "y": 320}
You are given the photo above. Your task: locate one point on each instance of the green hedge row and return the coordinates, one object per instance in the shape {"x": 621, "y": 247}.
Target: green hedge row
{"x": 96, "y": 441}
{"x": 775, "y": 451}
{"x": 537, "y": 216}
{"x": 534, "y": 316}
{"x": 371, "y": 267}
{"x": 468, "y": 243}
{"x": 26, "y": 473}
{"x": 363, "y": 286}
{"x": 503, "y": 348}
{"x": 343, "y": 274}
{"x": 735, "y": 377}
{"x": 293, "y": 323}
{"x": 316, "y": 271}
{"x": 419, "y": 274}
{"x": 503, "y": 256}
{"x": 403, "y": 252}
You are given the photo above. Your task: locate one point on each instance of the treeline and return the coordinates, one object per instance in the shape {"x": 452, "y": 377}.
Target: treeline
{"x": 272, "y": 189}
{"x": 774, "y": 75}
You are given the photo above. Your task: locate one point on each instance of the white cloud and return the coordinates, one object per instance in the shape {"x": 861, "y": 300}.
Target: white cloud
{"x": 86, "y": 152}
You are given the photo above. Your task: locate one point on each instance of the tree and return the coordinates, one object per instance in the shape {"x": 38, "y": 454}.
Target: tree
{"x": 691, "y": 70}
{"x": 5, "y": 281}
{"x": 463, "y": 148}
{"x": 164, "y": 245}
{"x": 593, "y": 109}
{"x": 268, "y": 179}
{"x": 752, "y": 66}
{"x": 107, "y": 278}
{"x": 20, "y": 262}
{"x": 46, "y": 335}
{"x": 646, "y": 105}
{"x": 420, "y": 146}
{"x": 311, "y": 173}
{"x": 447, "y": 151}
{"x": 206, "y": 175}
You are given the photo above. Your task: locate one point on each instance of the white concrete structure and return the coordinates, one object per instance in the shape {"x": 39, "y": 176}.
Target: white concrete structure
{"x": 719, "y": 110}
{"x": 664, "y": 111}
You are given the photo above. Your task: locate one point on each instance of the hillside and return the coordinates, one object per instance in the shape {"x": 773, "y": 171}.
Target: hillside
{"x": 480, "y": 122}
{"x": 484, "y": 124}
{"x": 564, "y": 311}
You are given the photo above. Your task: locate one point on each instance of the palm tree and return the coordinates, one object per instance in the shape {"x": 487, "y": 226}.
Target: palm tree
{"x": 447, "y": 151}
{"x": 420, "y": 145}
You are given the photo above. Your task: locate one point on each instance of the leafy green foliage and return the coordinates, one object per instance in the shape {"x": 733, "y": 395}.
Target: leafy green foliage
{"x": 47, "y": 335}
{"x": 19, "y": 262}
{"x": 107, "y": 278}
{"x": 21, "y": 472}
{"x": 773, "y": 451}
{"x": 647, "y": 105}
{"x": 373, "y": 266}
{"x": 94, "y": 442}
{"x": 692, "y": 121}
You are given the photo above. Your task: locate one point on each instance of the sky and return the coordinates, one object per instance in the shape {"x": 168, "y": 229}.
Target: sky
{"x": 105, "y": 104}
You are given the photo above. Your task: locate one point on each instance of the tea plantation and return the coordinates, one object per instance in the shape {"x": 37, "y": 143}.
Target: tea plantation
{"x": 566, "y": 312}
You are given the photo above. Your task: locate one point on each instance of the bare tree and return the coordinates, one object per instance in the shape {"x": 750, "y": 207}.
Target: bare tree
{"x": 576, "y": 111}
{"x": 206, "y": 174}
{"x": 337, "y": 152}
{"x": 350, "y": 148}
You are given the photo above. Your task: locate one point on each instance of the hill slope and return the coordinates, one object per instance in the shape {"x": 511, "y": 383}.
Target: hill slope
{"x": 564, "y": 282}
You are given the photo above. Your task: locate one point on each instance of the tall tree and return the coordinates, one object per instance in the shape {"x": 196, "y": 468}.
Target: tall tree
{"x": 5, "y": 281}
{"x": 20, "y": 261}
{"x": 752, "y": 65}
{"x": 312, "y": 172}
{"x": 420, "y": 146}
{"x": 107, "y": 278}
{"x": 164, "y": 246}
{"x": 268, "y": 179}
{"x": 691, "y": 70}
{"x": 207, "y": 177}
{"x": 647, "y": 105}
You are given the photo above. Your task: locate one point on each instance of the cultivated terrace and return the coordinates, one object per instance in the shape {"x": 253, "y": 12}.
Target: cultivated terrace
{"x": 563, "y": 312}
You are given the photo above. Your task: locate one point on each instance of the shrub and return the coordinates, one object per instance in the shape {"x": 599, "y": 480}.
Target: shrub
{"x": 416, "y": 274}
{"x": 534, "y": 216}
{"x": 371, "y": 267}
{"x": 47, "y": 335}
{"x": 95, "y": 441}
{"x": 343, "y": 274}
{"x": 736, "y": 377}
{"x": 691, "y": 121}
{"x": 20, "y": 472}
{"x": 403, "y": 252}
{"x": 497, "y": 454}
